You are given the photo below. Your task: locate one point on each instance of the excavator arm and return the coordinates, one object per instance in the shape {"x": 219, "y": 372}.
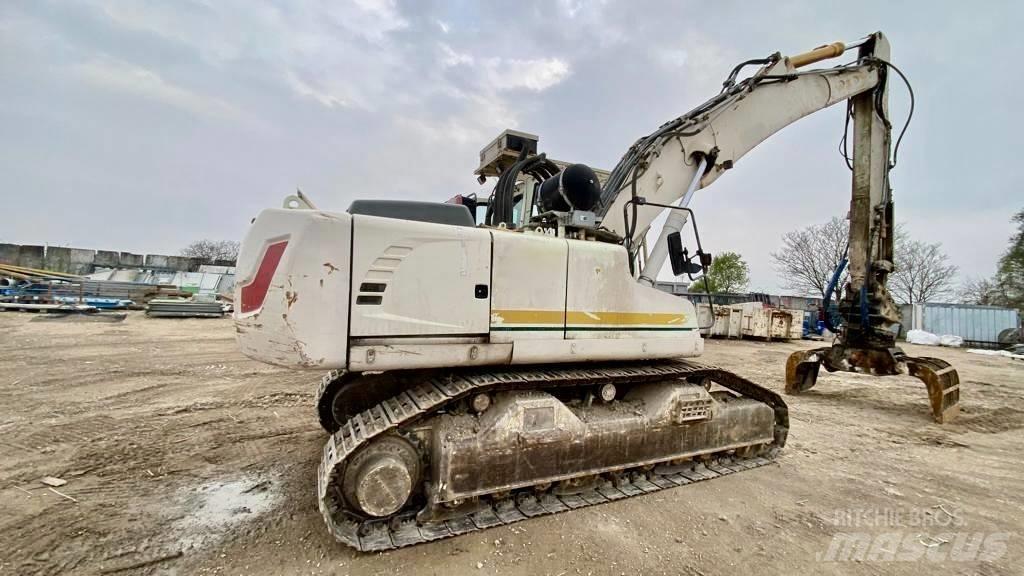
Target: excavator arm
{"x": 693, "y": 150}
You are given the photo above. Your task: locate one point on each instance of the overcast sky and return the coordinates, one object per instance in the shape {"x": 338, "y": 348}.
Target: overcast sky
{"x": 141, "y": 126}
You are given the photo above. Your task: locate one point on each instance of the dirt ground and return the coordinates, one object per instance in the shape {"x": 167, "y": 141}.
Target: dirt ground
{"x": 181, "y": 456}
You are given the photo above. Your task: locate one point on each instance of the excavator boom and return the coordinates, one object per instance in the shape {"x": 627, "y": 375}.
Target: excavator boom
{"x": 693, "y": 150}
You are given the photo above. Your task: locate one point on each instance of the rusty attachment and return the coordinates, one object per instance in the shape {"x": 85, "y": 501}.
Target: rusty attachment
{"x": 943, "y": 385}
{"x": 939, "y": 377}
{"x": 802, "y": 370}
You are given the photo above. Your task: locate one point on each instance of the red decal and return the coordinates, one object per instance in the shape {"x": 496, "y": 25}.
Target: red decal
{"x": 254, "y": 292}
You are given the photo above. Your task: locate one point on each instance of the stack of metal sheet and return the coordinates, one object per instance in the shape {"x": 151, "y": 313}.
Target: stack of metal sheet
{"x": 135, "y": 291}
{"x": 38, "y": 286}
{"x": 162, "y": 308}
{"x": 208, "y": 280}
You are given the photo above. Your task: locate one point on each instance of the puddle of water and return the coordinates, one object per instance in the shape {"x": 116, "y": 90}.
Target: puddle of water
{"x": 214, "y": 508}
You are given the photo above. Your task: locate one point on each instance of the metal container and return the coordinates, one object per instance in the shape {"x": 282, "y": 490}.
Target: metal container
{"x": 751, "y": 320}
{"x": 979, "y": 326}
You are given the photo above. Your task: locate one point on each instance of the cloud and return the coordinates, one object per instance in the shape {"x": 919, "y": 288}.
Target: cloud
{"x": 372, "y": 18}
{"x": 571, "y": 7}
{"x": 477, "y": 120}
{"x": 450, "y": 58}
{"x": 673, "y": 56}
{"x": 509, "y": 73}
{"x": 119, "y": 76}
{"x": 194, "y": 24}
{"x": 537, "y": 75}
{"x": 394, "y": 98}
{"x": 324, "y": 97}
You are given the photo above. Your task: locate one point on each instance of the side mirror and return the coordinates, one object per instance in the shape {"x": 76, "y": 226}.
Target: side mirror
{"x": 678, "y": 258}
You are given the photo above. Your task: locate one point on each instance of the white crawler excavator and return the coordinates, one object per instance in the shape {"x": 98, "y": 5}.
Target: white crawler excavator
{"x": 484, "y": 373}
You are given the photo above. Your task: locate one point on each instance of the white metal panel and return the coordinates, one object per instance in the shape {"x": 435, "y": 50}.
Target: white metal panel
{"x": 603, "y": 300}
{"x": 303, "y": 318}
{"x": 683, "y": 344}
{"x": 190, "y": 281}
{"x": 124, "y": 275}
{"x": 717, "y": 325}
{"x": 735, "y": 323}
{"x": 430, "y": 272}
{"x": 528, "y": 293}
{"x": 208, "y": 282}
{"x": 796, "y": 324}
{"x": 226, "y": 284}
{"x": 402, "y": 356}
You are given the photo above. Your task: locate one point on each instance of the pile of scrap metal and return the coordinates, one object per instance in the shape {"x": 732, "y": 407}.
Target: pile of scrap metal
{"x": 24, "y": 288}
{"x": 186, "y": 308}
{"x": 752, "y": 320}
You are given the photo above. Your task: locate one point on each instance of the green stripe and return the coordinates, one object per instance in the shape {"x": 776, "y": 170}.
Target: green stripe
{"x": 619, "y": 329}
{"x": 527, "y": 329}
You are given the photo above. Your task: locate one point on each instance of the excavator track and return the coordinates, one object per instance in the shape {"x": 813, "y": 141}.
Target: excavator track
{"x": 388, "y": 419}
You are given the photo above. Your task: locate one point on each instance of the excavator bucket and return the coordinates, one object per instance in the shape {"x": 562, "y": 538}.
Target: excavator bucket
{"x": 802, "y": 371}
{"x": 939, "y": 376}
{"x": 943, "y": 384}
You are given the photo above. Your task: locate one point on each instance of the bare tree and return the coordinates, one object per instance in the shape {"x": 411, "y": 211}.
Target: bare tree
{"x": 809, "y": 257}
{"x": 978, "y": 291}
{"x": 923, "y": 273}
{"x": 209, "y": 251}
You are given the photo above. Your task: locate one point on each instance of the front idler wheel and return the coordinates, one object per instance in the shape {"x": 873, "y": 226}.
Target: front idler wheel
{"x": 381, "y": 478}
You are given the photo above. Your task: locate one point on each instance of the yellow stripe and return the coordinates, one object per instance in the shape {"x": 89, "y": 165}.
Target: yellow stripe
{"x": 627, "y": 318}
{"x": 557, "y": 317}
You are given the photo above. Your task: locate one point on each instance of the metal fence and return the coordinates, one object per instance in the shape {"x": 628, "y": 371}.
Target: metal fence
{"x": 978, "y": 325}
{"x": 725, "y": 299}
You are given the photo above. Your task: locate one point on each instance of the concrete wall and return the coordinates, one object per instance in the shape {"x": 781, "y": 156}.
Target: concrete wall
{"x": 59, "y": 259}
{"x": 182, "y": 263}
{"x": 69, "y": 260}
{"x": 81, "y": 261}
{"x": 84, "y": 261}
{"x": 156, "y": 261}
{"x": 129, "y": 260}
{"x": 9, "y": 253}
{"x": 31, "y": 256}
{"x": 107, "y": 259}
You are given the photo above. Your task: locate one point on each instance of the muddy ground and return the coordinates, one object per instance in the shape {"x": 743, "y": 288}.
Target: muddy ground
{"x": 181, "y": 456}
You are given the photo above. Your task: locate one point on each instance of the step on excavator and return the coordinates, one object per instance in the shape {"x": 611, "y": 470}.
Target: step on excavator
{"x": 497, "y": 359}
